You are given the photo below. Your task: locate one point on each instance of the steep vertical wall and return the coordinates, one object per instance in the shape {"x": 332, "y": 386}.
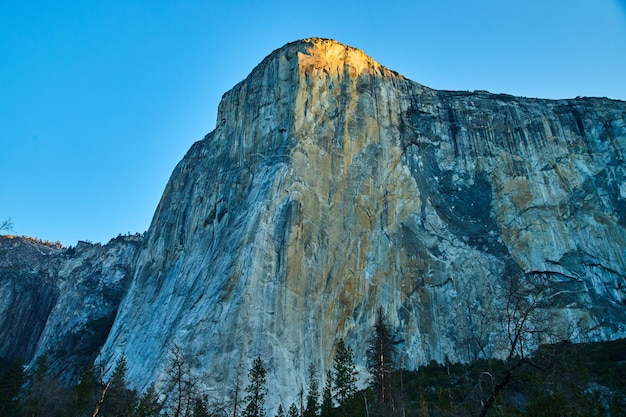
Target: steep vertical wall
{"x": 332, "y": 185}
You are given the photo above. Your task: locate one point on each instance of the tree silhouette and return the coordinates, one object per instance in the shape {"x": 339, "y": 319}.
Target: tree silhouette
{"x": 524, "y": 329}
{"x": 281, "y": 411}
{"x": 293, "y": 411}
{"x": 381, "y": 357}
{"x": 256, "y": 390}
{"x": 45, "y": 396}
{"x": 149, "y": 404}
{"x": 10, "y": 386}
{"x": 313, "y": 394}
{"x": 119, "y": 399}
{"x": 327, "y": 396}
{"x": 345, "y": 375}
{"x": 180, "y": 384}
{"x": 6, "y": 225}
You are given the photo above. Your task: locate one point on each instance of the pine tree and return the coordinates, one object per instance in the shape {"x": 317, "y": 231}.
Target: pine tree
{"x": 36, "y": 385}
{"x": 10, "y": 386}
{"x": 345, "y": 375}
{"x": 149, "y": 405}
{"x": 201, "y": 408}
{"x": 119, "y": 399}
{"x": 41, "y": 367}
{"x": 86, "y": 392}
{"x": 256, "y": 390}
{"x": 281, "y": 411}
{"x": 327, "y": 396}
{"x": 444, "y": 400}
{"x": 381, "y": 358}
{"x": 313, "y": 394}
{"x": 45, "y": 396}
{"x": 293, "y": 411}
{"x": 119, "y": 373}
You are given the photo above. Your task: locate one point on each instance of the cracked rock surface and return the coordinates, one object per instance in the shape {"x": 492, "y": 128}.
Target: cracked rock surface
{"x": 332, "y": 185}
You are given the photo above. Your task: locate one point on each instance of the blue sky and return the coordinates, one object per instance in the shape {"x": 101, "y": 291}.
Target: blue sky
{"x": 100, "y": 99}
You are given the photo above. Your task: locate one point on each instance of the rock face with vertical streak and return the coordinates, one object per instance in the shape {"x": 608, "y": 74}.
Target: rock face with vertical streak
{"x": 332, "y": 185}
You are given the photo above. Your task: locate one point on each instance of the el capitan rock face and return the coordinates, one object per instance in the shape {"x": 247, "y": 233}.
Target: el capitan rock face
{"x": 332, "y": 185}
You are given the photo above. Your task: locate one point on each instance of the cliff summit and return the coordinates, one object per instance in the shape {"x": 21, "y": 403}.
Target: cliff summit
{"x": 332, "y": 185}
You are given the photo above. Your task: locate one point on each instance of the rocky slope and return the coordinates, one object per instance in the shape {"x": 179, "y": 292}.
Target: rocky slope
{"x": 61, "y": 301}
{"x": 333, "y": 185}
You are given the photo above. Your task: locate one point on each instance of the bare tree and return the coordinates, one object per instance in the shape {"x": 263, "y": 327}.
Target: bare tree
{"x": 104, "y": 385}
{"x": 182, "y": 387}
{"x": 6, "y": 225}
{"x": 524, "y": 327}
{"x": 477, "y": 321}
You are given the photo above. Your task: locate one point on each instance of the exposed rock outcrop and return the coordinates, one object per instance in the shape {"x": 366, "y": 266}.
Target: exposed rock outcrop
{"x": 61, "y": 301}
{"x": 332, "y": 185}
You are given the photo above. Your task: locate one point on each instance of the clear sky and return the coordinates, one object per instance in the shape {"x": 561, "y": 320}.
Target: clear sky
{"x": 100, "y": 99}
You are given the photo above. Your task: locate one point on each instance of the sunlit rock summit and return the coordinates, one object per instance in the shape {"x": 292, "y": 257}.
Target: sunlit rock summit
{"x": 332, "y": 185}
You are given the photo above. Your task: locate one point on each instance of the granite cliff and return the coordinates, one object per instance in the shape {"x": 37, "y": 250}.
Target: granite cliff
{"x": 61, "y": 301}
{"x": 332, "y": 185}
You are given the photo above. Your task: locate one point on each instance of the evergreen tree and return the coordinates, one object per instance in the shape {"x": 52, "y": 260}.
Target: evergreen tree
{"x": 41, "y": 367}
{"x": 281, "y": 411}
{"x": 119, "y": 373}
{"x": 36, "y": 384}
{"x": 201, "y": 408}
{"x": 327, "y": 396}
{"x": 293, "y": 411}
{"x": 86, "y": 393}
{"x": 444, "y": 400}
{"x": 345, "y": 375}
{"x": 381, "y": 358}
{"x": 10, "y": 386}
{"x": 149, "y": 405}
{"x": 256, "y": 390}
{"x": 313, "y": 394}
{"x": 45, "y": 396}
{"x": 119, "y": 400}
